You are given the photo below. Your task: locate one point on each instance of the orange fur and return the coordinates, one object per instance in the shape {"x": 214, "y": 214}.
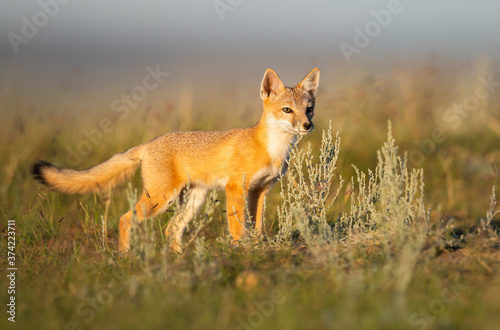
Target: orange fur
{"x": 244, "y": 162}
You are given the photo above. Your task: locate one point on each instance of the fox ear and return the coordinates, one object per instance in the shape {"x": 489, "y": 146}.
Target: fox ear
{"x": 271, "y": 83}
{"x": 310, "y": 82}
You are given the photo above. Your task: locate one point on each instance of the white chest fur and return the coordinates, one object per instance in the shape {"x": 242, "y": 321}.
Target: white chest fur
{"x": 279, "y": 139}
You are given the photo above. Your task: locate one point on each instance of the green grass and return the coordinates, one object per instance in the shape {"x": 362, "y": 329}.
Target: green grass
{"x": 392, "y": 245}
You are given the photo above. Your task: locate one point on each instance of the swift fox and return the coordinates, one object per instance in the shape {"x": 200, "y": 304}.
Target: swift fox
{"x": 244, "y": 162}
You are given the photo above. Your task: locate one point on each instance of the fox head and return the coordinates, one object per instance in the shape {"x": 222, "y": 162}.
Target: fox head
{"x": 289, "y": 109}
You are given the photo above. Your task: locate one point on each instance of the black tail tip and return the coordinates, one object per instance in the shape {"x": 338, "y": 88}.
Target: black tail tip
{"x": 37, "y": 171}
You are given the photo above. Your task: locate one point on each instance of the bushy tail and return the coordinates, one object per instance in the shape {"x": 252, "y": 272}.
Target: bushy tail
{"x": 98, "y": 178}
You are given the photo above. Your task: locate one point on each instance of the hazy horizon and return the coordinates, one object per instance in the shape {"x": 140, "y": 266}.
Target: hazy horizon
{"x": 90, "y": 46}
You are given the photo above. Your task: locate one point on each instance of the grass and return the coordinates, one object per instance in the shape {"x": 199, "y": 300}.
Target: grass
{"x": 396, "y": 227}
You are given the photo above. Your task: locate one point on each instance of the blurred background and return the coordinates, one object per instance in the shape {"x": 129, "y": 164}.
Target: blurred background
{"x": 69, "y": 68}
{"x": 96, "y": 50}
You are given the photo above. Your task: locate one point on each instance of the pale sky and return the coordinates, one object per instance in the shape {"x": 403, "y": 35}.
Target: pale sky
{"x": 244, "y": 36}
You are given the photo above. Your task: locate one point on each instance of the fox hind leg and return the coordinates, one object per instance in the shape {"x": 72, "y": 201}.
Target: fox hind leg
{"x": 148, "y": 206}
{"x": 191, "y": 204}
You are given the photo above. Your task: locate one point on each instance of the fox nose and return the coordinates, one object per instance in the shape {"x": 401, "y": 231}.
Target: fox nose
{"x": 307, "y": 126}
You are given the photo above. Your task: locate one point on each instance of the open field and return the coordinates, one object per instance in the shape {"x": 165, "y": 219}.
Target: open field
{"x": 393, "y": 248}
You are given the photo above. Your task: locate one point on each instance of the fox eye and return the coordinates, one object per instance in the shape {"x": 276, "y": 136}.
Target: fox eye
{"x": 309, "y": 109}
{"x": 287, "y": 110}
